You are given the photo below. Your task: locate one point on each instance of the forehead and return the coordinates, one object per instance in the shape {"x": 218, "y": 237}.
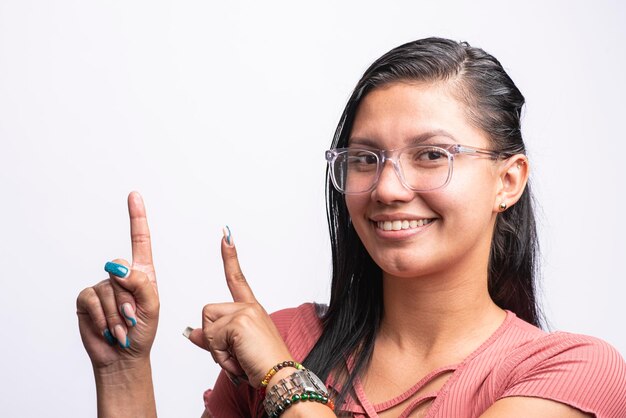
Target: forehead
{"x": 398, "y": 114}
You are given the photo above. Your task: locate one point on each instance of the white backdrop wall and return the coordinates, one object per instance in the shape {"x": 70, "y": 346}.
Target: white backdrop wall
{"x": 219, "y": 113}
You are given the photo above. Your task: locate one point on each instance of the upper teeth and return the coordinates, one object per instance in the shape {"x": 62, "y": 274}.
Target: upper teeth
{"x": 401, "y": 224}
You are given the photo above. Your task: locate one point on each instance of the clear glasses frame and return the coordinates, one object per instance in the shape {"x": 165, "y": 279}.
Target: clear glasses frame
{"x": 368, "y": 157}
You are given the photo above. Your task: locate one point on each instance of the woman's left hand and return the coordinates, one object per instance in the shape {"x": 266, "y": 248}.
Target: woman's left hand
{"x": 240, "y": 335}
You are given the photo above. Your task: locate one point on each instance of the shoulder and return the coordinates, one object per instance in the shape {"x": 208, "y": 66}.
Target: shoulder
{"x": 572, "y": 352}
{"x": 578, "y": 370}
{"x": 525, "y": 344}
{"x": 300, "y": 327}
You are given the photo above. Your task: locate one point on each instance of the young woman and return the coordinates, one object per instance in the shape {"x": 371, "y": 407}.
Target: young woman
{"x": 433, "y": 310}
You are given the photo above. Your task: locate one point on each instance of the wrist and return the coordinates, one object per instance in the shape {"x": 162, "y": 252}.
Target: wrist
{"x": 122, "y": 372}
{"x": 279, "y": 375}
{"x": 125, "y": 391}
{"x": 268, "y": 381}
{"x": 299, "y": 386}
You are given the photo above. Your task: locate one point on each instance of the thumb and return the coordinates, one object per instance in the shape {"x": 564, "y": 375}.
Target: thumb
{"x": 137, "y": 283}
{"x": 232, "y": 368}
{"x": 196, "y": 337}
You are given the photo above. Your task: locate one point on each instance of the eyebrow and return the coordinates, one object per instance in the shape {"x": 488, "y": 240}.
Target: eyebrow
{"x": 423, "y": 137}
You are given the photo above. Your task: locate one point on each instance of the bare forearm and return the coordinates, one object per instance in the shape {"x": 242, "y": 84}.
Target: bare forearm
{"x": 126, "y": 393}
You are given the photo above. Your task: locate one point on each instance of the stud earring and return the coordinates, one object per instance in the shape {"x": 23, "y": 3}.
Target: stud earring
{"x": 502, "y": 206}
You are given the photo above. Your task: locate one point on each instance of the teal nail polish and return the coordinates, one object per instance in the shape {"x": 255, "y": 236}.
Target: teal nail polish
{"x": 228, "y": 236}
{"x": 127, "y": 344}
{"x": 116, "y": 269}
{"x": 109, "y": 337}
{"x": 132, "y": 320}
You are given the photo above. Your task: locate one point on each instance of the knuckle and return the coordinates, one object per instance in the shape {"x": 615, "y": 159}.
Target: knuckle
{"x": 207, "y": 334}
{"x": 141, "y": 238}
{"x": 104, "y": 288}
{"x": 242, "y": 321}
{"x": 84, "y": 294}
{"x": 124, "y": 297}
{"x": 113, "y": 318}
{"x": 86, "y": 297}
{"x": 237, "y": 277}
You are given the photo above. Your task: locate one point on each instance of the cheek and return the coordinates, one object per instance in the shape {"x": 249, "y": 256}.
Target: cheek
{"x": 463, "y": 206}
{"x": 469, "y": 216}
{"x": 473, "y": 192}
{"x": 357, "y": 209}
{"x": 356, "y": 205}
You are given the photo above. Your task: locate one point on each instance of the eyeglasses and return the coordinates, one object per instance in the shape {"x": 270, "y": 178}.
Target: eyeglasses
{"x": 421, "y": 168}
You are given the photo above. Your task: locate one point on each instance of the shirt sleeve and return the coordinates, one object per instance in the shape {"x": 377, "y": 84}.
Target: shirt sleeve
{"x": 227, "y": 400}
{"x": 580, "y": 371}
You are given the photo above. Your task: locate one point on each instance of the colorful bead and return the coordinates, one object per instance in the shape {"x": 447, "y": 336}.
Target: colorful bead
{"x": 275, "y": 369}
{"x": 331, "y": 404}
{"x": 306, "y": 396}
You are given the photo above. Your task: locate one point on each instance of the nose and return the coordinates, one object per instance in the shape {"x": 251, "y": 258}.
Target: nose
{"x": 390, "y": 188}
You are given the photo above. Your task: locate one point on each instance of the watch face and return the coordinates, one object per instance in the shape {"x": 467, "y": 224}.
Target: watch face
{"x": 317, "y": 382}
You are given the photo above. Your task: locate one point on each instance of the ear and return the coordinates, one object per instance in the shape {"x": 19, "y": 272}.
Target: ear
{"x": 513, "y": 178}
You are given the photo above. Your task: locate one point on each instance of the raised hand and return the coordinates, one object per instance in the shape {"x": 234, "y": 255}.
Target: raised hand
{"x": 240, "y": 335}
{"x": 118, "y": 316}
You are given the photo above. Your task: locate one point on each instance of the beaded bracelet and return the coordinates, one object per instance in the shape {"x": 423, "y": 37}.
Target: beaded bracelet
{"x": 301, "y": 385}
{"x": 306, "y": 396}
{"x": 275, "y": 369}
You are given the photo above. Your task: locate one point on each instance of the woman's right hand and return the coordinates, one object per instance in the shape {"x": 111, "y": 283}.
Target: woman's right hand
{"x": 118, "y": 316}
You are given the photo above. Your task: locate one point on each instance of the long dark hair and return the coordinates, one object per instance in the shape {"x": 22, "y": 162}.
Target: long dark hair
{"x": 494, "y": 104}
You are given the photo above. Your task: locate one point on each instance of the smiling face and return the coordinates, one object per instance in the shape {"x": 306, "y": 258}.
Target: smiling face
{"x": 411, "y": 234}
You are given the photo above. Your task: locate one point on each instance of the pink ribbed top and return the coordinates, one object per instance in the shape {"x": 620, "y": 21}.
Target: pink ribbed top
{"x": 517, "y": 360}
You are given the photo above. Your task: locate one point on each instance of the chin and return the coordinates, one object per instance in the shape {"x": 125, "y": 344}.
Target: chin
{"x": 403, "y": 267}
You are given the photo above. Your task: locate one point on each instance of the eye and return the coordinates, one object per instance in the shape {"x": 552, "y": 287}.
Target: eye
{"x": 429, "y": 154}
{"x": 362, "y": 158}
{"x": 365, "y": 159}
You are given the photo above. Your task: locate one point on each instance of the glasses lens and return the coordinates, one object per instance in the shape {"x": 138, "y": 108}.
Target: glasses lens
{"x": 355, "y": 171}
{"x": 425, "y": 168}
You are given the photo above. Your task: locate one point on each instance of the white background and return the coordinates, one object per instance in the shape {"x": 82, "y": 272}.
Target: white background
{"x": 219, "y": 113}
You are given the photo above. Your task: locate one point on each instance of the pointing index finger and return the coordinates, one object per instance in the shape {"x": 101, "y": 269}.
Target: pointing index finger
{"x": 139, "y": 233}
{"x": 235, "y": 279}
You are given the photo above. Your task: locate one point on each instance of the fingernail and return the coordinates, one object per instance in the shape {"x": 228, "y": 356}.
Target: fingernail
{"x": 227, "y": 235}
{"x": 129, "y": 314}
{"x": 233, "y": 379}
{"x": 187, "y": 332}
{"x": 117, "y": 269}
{"x": 122, "y": 337}
{"x": 109, "y": 337}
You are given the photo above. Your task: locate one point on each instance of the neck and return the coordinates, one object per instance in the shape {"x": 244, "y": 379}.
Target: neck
{"x": 438, "y": 313}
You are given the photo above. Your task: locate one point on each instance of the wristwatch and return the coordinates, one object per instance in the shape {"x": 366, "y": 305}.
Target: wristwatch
{"x": 301, "y": 381}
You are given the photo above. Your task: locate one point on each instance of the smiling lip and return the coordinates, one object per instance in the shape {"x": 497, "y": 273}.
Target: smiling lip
{"x": 400, "y": 226}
